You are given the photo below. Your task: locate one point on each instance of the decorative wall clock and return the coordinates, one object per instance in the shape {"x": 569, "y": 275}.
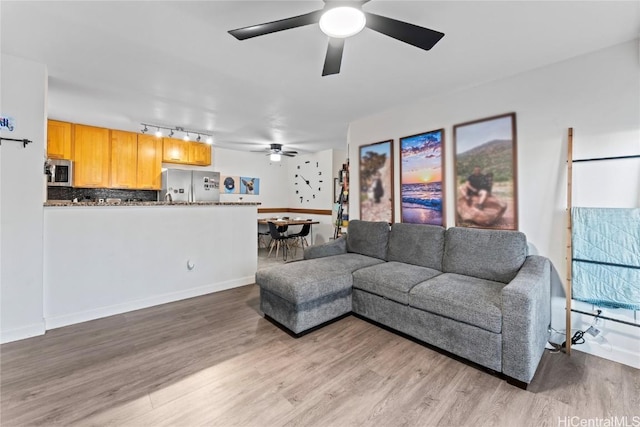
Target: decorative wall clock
{"x": 308, "y": 181}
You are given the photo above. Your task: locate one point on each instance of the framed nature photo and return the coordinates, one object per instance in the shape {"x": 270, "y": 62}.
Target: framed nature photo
{"x": 421, "y": 178}
{"x": 376, "y": 182}
{"x": 485, "y": 171}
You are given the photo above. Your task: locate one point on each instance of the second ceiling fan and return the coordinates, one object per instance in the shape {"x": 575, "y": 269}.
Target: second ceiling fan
{"x": 342, "y": 19}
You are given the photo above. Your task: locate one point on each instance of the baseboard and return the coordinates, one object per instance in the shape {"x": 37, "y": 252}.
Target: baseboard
{"x": 23, "y": 332}
{"x": 616, "y": 354}
{"x": 98, "y": 313}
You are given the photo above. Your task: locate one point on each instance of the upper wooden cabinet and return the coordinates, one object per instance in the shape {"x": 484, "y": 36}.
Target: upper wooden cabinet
{"x": 175, "y": 150}
{"x": 199, "y": 154}
{"x": 124, "y": 159}
{"x": 91, "y": 155}
{"x": 185, "y": 152}
{"x": 149, "y": 163}
{"x": 58, "y": 140}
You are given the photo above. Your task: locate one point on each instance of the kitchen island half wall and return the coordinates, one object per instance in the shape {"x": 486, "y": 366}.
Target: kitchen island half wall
{"x": 105, "y": 260}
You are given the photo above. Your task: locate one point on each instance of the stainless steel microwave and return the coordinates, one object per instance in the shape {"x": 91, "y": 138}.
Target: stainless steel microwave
{"x": 59, "y": 173}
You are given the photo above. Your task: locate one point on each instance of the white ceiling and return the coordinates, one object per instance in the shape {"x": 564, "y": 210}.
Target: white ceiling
{"x": 117, "y": 64}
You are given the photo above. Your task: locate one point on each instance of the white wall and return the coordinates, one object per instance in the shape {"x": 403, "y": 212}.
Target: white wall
{"x": 23, "y": 89}
{"x": 101, "y": 261}
{"x": 597, "y": 94}
{"x": 273, "y": 176}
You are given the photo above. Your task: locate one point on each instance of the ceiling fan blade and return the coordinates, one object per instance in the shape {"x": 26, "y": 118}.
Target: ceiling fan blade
{"x": 289, "y": 152}
{"x": 334, "y": 56}
{"x": 421, "y": 37}
{"x": 272, "y": 27}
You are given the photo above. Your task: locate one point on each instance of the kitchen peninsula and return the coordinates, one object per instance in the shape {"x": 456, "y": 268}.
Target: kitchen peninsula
{"x": 102, "y": 259}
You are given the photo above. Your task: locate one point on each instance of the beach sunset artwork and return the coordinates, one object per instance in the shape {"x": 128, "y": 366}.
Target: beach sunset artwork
{"x": 421, "y": 173}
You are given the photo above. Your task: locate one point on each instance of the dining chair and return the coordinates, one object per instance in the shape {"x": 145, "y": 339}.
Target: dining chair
{"x": 263, "y": 233}
{"x": 278, "y": 239}
{"x": 302, "y": 235}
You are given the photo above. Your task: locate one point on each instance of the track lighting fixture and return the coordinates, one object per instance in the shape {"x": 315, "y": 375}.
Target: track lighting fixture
{"x": 186, "y": 133}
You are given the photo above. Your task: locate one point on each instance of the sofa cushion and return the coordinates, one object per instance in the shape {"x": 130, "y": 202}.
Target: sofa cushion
{"x": 368, "y": 238}
{"x": 303, "y": 281}
{"x": 416, "y": 244}
{"x": 392, "y": 280}
{"x": 485, "y": 254}
{"x": 466, "y": 299}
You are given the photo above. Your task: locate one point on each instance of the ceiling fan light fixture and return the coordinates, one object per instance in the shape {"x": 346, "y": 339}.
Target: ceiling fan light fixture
{"x": 341, "y": 22}
{"x": 275, "y": 157}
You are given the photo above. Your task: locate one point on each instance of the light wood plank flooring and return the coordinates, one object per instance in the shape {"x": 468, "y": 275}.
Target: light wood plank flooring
{"x": 213, "y": 360}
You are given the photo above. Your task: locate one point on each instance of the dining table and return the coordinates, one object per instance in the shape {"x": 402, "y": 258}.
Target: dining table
{"x": 280, "y": 222}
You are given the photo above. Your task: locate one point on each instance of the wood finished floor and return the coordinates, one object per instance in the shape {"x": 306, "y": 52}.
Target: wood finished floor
{"x": 213, "y": 360}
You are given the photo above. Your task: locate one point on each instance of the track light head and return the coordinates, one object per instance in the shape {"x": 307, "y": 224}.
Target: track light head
{"x": 171, "y": 131}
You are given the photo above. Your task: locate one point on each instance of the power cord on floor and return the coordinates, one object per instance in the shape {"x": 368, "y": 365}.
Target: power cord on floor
{"x": 578, "y": 336}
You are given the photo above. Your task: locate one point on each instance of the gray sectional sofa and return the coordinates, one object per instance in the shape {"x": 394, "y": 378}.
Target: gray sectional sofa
{"x": 471, "y": 292}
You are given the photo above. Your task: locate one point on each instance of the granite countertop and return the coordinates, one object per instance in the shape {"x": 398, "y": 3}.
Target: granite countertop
{"x": 57, "y": 203}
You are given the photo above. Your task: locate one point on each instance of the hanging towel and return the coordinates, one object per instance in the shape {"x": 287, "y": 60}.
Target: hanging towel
{"x": 606, "y": 257}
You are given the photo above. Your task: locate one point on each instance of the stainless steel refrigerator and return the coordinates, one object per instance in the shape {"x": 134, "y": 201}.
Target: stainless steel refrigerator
{"x": 190, "y": 186}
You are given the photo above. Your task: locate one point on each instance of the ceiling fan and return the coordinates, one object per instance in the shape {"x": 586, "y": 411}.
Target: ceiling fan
{"x": 275, "y": 151}
{"x": 341, "y": 19}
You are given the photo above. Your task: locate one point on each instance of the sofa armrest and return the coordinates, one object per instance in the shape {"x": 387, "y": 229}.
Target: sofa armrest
{"x": 335, "y": 247}
{"x": 526, "y": 317}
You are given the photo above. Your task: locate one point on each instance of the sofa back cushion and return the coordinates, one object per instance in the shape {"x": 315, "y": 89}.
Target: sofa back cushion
{"x": 368, "y": 238}
{"x": 416, "y": 244}
{"x": 486, "y": 254}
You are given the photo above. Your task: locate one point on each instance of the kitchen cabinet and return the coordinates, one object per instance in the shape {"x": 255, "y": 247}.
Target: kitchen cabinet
{"x": 199, "y": 154}
{"x": 185, "y": 152}
{"x": 149, "y": 168}
{"x": 175, "y": 150}
{"x": 58, "y": 140}
{"x": 124, "y": 159}
{"x": 91, "y": 156}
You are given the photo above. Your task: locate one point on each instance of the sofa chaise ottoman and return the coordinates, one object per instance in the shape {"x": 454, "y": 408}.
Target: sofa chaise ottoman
{"x": 474, "y": 293}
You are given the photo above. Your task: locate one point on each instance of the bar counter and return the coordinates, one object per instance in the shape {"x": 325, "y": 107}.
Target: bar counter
{"x": 102, "y": 259}
{"x": 68, "y": 203}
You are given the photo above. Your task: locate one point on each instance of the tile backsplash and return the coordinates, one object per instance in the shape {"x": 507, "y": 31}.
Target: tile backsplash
{"x": 94, "y": 194}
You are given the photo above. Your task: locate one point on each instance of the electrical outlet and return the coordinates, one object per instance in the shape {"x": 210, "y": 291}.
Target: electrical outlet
{"x": 594, "y": 332}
